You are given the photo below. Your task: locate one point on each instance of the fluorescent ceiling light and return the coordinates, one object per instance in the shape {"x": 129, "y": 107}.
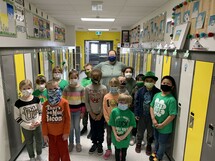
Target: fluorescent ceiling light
{"x": 98, "y": 29}
{"x": 98, "y": 19}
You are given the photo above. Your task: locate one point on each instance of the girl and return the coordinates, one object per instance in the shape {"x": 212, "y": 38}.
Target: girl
{"x": 130, "y": 82}
{"x": 74, "y": 93}
{"x": 109, "y": 103}
{"x": 122, "y": 121}
{"x": 27, "y": 113}
{"x": 57, "y": 74}
{"x": 163, "y": 110}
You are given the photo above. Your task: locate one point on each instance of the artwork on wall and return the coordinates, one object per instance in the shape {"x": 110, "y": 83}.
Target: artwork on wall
{"x": 168, "y": 27}
{"x": 211, "y": 26}
{"x": 186, "y": 17}
{"x": 59, "y": 33}
{"x": 177, "y": 18}
{"x": 200, "y": 20}
{"x": 125, "y": 38}
{"x": 195, "y": 9}
{"x": 7, "y": 19}
{"x": 180, "y": 34}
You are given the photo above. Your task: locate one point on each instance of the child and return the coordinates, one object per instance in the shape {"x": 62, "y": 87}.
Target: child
{"x": 74, "y": 93}
{"x": 143, "y": 99}
{"x": 84, "y": 82}
{"x": 56, "y": 123}
{"x": 122, "y": 121}
{"x": 130, "y": 82}
{"x": 57, "y": 74}
{"x": 27, "y": 113}
{"x": 122, "y": 85}
{"x": 94, "y": 94}
{"x": 163, "y": 110}
{"x": 109, "y": 103}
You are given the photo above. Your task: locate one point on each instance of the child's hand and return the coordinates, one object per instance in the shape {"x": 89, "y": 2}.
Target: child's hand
{"x": 32, "y": 126}
{"x": 159, "y": 126}
{"x": 98, "y": 117}
{"x": 65, "y": 136}
{"x": 82, "y": 115}
{"x": 93, "y": 116}
{"x": 36, "y": 124}
{"x": 118, "y": 139}
{"x": 155, "y": 123}
{"x": 46, "y": 139}
{"x": 137, "y": 117}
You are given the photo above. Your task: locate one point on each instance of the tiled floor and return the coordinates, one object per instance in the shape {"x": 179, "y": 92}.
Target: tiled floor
{"x": 83, "y": 156}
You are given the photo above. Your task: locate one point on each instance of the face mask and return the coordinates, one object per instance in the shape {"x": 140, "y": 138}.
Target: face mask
{"x": 27, "y": 93}
{"x": 57, "y": 75}
{"x": 111, "y": 58}
{"x": 166, "y": 88}
{"x": 95, "y": 81}
{"x": 122, "y": 107}
{"x": 113, "y": 90}
{"x": 73, "y": 82}
{"x": 41, "y": 87}
{"x": 149, "y": 85}
{"x": 140, "y": 84}
{"x": 54, "y": 96}
{"x": 128, "y": 75}
{"x": 87, "y": 73}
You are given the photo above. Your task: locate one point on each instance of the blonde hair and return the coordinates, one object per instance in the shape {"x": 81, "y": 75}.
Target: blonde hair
{"x": 57, "y": 68}
{"x": 40, "y": 79}
{"x": 114, "y": 81}
{"x": 125, "y": 98}
{"x": 51, "y": 82}
{"x": 88, "y": 64}
{"x": 74, "y": 71}
{"x": 25, "y": 82}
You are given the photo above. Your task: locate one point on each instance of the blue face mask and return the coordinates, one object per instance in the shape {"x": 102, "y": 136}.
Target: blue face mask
{"x": 113, "y": 90}
{"x": 122, "y": 107}
{"x": 112, "y": 58}
{"x": 54, "y": 96}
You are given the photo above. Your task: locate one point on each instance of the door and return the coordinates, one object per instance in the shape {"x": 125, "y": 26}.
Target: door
{"x": 197, "y": 114}
{"x": 166, "y": 65}
{"x": 159, "y": 69}
{"x": 208, "y": 146}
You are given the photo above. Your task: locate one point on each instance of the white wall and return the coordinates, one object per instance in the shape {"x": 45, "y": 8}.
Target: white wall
{"x": 70, "y": 36}
{"x": 207, "y": 43}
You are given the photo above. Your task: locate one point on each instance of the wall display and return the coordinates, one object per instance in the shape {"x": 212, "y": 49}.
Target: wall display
{"x": 59, "y": 33}
{"x": 200, "y": 20}
{"x": 36, "y": 26}
{"x": 195, "y": 9}
{"x": 7, "y": 19}
{"x": 211, "y": 26}
{"x": 186, "y": 17}
{"x": 168, "y": 27}
{"x": 177, "y": 19}
{"x": 134, "y": 35}
{"x": 19, "y": 10}
{"x": 125, "y": 38}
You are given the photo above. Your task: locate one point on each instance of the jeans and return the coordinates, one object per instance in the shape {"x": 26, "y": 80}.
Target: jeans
{"x": 123, "y": 154}
{"x": 161, "y": 141}
{"x": 85, "y": 119}
{"x": 75, "y": 127}
{"x": 29, "y": 139}
{"x": 109, "y": 130}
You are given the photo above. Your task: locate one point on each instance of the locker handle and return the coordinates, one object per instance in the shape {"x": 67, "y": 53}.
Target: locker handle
{"x": 191, "y": 120}
{"x": 210, "y": 135}
{"x": 179, "y": 104}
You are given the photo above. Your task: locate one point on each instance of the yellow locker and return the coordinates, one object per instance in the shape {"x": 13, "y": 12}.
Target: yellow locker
{"x": 61, "y": 58}
{"x": 131, "y": 59}
{"x": 41, "y": 63}
{"x": 126, "y": 59}
{"x": 20, "y": 75}
{"x": 166, "y": 65}
{"x": 138, "y": 64}
{"x": 53, "y": 59}
{"x": 149, "y": 62}
{"x": 198, "y": 110}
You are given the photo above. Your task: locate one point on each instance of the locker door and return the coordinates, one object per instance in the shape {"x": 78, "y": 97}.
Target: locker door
{"x": 149, "y": 62}
{"x": 158, "y": 69}
{"x": 166, "y": 65}
{"x": 208, "y": 147}
{"x": 198, "y": 109}
{"x": 35, "y": 64}
{"x": 41, "y": 62}
{"x": 28, "y": 67}
{"x": 186, "y": 81}
{"x": 46, "y": 64}
{"x": 53, "y": 59}
{"x": 131, "y": 56}
{"x": 145, "y": 63}
{"x": 137, "y": 64}
{"x": 153, "y": 63}
{"x": 141, "y": 62}
{"x": 10, "y": 95}
{"x": 127, "y": 59}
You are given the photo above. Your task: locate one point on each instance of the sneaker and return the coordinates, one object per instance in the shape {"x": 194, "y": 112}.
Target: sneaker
{"x": 132, "y": 141}
{"x": 138, "y": 148}
{"x": 152, "y": 156}
{"x": 71, "y": 146}
{"x": 89, "y": 135}
{"x": 32, "y": 159}
{"x": 78, "y": 148}
{"x": 39, "y": 158}
{"x": 148, "y": 149}
{"x": 100, "y": 149}
{"x": 84, "y": 130}
{"x": 107, "y": 154}
{"x": 93, "y": 148}
{"x": 44, "y": 145}
{"x": 154, "y": 159}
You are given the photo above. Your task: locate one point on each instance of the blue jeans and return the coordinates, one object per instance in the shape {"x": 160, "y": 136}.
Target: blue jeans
{"x": 75, "y": 126}
{"x": 161, "y": 141}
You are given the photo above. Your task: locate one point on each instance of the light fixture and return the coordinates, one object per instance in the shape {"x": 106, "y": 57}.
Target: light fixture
{"x": 98, "y": 29}
{"x": 98, "y": 19}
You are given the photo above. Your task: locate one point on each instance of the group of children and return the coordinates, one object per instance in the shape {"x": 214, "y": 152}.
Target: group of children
{"x": 59, "y": 105}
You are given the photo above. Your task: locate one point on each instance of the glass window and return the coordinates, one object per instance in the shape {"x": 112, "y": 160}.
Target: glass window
{"x": 94, "y": 48}
{"x": 104, "y": 48}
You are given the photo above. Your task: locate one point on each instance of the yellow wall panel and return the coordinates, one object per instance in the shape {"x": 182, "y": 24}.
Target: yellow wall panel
{"x": 41, "y": 63}
{"x": 149, "y": 62}
{"x": 126, "y": 59}
{"x": 166, "y": 65}
{"x": 131, "y": 56}
{"x": 199, "y": 103}
{"x": 53, "y": 59}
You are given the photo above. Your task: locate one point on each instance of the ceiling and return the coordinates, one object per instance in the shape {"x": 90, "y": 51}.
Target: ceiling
{"x": 125, "y": 12}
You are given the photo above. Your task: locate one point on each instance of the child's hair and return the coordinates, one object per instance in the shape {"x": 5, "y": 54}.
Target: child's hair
{"x": 74, "y": 71}
{"x": 114, "y": 81}
{"x": 57, "y": 68}
{"x": 96, "y": 72}
{"x": 51, "y": 82}
{"x": 25, "y": 82}
{"x": 40, "y": 79}
{"x": 139, "y": 76}
{"x": 173, "y": 91}
{"x": 124, "y": 69}
{"x": 88, "y": 64}
{"x": 126, "y": 98}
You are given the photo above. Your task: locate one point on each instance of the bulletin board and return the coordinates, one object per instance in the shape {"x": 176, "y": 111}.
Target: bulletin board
{"x": 201, "y": 14}
{"x": 59, "y": 33}
{"x": 36, "y": 26}
{"x": 7, "y": 19}
{"x": 134, "y": 35}
{"x": 154, "y": 29}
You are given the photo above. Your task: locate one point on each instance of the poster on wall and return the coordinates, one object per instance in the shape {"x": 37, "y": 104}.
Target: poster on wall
{"x": 7, "y": 19}
{"x": 36, "y": 26}
{"x": 211, "y": 26}
{"x": 200, "y": 20}
{"x": 59, "y": 33}
{"x": 195, "y": 9}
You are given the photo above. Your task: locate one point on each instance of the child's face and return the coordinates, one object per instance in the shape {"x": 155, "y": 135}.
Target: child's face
{"x": 128, "y": 71}
{"x": 166, "y": 82}
{"x": 53, "y": 86}
{"x": 25, "y": 87}
{"x": 122, "y": 80}
{"x": 73, "y": 76}
{"x": 88, "y": 68}
{"x": 149, "y": 80}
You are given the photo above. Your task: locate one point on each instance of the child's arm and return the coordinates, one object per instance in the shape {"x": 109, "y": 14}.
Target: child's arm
{"x": 105, "y": 110}
{"x": 167, "y": 121}
{"x": 127, "y": 133}
{"x": 44, "y": 124}
{"x": 154, "y": 121}
{"x": 67, "y": 121}
{"x": 115, "y": 134}
{"x": 83, "y": 107}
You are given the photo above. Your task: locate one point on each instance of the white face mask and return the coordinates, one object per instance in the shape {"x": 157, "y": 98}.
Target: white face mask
{"x": 149, "y": 85}
{"x": 73, "y": 81}
{"x": 122, "y": 106}
{"x": 41, "y": 87}
{"x": 128, "y": 75}
{"x": 27, "y": 92}
{"x": 57, "y": 75}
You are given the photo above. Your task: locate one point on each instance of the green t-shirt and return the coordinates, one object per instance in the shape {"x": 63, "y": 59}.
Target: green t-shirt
{"x": 41, "y": 95}
{"x": 85, "y": 81}
{"x": 164, "y": 106}
{"x": 63, "y": 83}
{"x": 122, "y": 120}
